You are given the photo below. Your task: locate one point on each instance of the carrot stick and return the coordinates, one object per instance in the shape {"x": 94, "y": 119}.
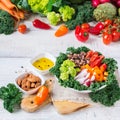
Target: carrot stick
{"x": 3, "y": 7}
{"x": 16, "y": 14}
{"x": 62, "y": 30}
{"x": 8, "y": 4}
{"x": 21, "y": 14}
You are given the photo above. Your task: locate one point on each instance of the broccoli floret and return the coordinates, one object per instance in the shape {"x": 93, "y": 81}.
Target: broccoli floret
{"x": 67, "y": 69}
{"x": 66, "y": 12}
{"x": 38, "y": 6}
{"x": 53, "y": 17}
{"x": 7, "y": 23}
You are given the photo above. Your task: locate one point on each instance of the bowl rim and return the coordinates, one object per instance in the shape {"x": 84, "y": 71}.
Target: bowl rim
{"x": 32, "y": 91}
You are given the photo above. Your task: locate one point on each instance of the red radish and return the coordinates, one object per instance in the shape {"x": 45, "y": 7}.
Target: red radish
{"x": 95, "y": 3}
{"x": 87, "y": 83}
{"x": 104, "y": 1}
{"x": 118, "y": 3}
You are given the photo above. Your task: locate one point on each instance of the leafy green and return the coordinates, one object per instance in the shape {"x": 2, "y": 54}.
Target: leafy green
{"x": 84, "y": 13}
{"x": 11, "y": 97}
{"x": 77, "y": 50}
{"x": 107, "y": 96}
{"x": 55, "y": 70}
{"x": 21, "y": 4}
{"x": 7, "y": 23}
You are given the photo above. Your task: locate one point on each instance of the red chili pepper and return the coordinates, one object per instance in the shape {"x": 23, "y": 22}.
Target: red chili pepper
{"x": 97, "y": 28}
{"x": 39, "y": 24}
{"x": 94, "y": 31}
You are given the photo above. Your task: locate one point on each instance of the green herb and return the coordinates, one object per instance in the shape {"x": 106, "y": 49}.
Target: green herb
{"x": 110, "y": 94}
{"x": 55, "y": 70}
{"x": 11, "y": 97}
{"x": 107, "y": 96}
{"x": 77, "y": 50}
{"x": 84, "y": 13}
{"x": 7, "y": 23}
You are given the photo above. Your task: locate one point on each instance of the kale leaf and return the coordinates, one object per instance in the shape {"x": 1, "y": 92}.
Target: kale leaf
{"x": 11, "y": 97}
{"x": 7, "y": 23}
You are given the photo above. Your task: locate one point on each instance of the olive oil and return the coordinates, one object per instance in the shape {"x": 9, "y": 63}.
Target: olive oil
{"x": 43, "y": 63}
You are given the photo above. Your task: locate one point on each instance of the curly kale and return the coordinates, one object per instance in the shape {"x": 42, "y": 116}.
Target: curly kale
{"x": 107, "y": 96}
{"x": 84, "y": 14}
{"x": 11, "y": 97}
{"x": 7, "y": 23}
{"x": 21, "y": 4}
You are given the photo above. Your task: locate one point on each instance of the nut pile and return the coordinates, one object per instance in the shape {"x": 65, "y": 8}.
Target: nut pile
{"x": 79, "y": 59}
{"x": 29, "y": 81}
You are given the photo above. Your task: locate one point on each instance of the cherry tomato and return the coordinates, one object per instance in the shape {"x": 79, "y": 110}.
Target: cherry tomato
{"x": 22, "y": 28}
{"x": 115, "y": 36}
{"x": 85, "y": 26}
{"x": 107, "y": 29}
{"x": 108, "y": 22}
{"x": 114, "y": 27}
{"x": 41, "y": 95}
{"x": 107, "y": 38}
{"x": 82, "y": 36}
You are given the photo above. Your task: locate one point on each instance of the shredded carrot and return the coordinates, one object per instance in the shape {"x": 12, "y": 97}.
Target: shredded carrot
{"x": 62, "y": 30}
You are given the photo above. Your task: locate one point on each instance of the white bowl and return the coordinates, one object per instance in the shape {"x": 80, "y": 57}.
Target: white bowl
{"x": 87, "y": 91}
{"x": 46, "y": 55}
{"x": 34, "y": 90}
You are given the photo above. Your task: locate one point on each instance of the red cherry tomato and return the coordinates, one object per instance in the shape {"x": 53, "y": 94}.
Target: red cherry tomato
{"x": 22, "y": 28}
{"x": 115, "y": 36}
{"x": 107, "y": 38}
{"x": 85, "y": 26}
{"x": 108, "y": 22}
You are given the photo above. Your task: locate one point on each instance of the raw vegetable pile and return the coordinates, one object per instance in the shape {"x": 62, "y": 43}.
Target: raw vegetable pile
{"x": 84, "y": 69}
{"x": 73, "y": 15}
{"x": 71, "y": 67}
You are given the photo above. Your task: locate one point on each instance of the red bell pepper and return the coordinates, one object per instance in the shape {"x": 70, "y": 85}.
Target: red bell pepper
{"x": 81, "y": 34}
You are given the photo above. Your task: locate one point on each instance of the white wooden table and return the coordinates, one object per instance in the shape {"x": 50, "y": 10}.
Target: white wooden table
{"x": 17, "y": 49}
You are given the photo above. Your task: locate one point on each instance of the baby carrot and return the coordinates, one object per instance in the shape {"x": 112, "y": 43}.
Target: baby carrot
{"x": 62, "y": 30}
